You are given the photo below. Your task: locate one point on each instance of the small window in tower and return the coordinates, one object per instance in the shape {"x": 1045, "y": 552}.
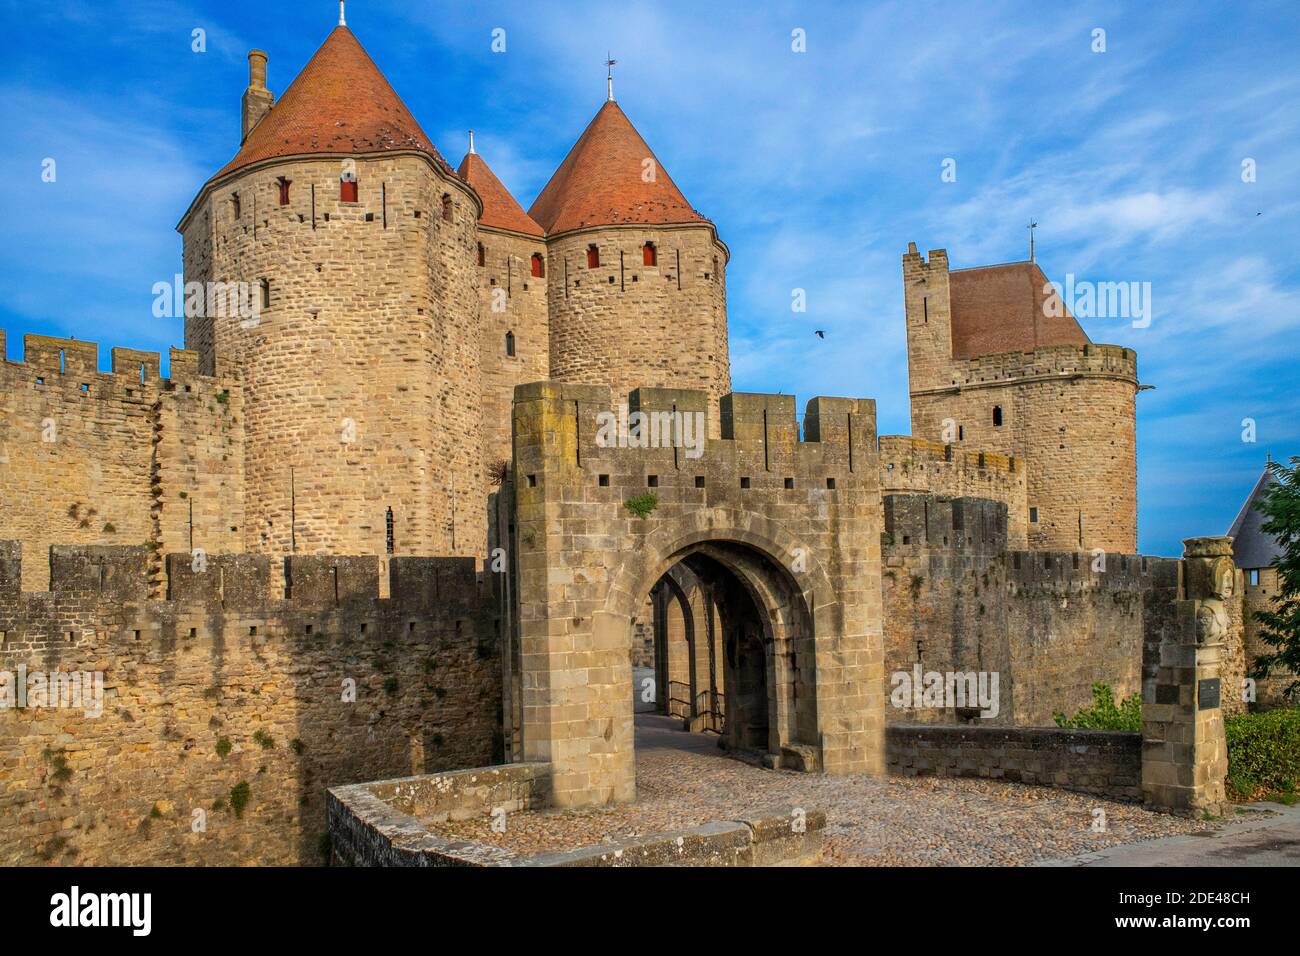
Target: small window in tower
{"x": 1254, "y": 577}
{"x": 235, "y": 205}
{"x": 961, "y": 432}
{"x": 482, "y": 255}
{"x": 284, "y": 190}
{"x": 446, "y": 207}
{"x": 348, "y": 188}
{"x": 593, "y": 257}
{"x": 716, "y": 274}
{"x": 997, "y": 416}
{"x": 539, "y": 266}
{"x": 266, "y": 293}
{"x": 1033, "y": 515}
{"x": 388, "y": 531}
{"x": 510, "y": 344}
{"x": 649, "y": 256}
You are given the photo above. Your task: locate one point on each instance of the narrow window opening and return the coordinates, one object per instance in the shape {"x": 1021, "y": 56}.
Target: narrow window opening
{"x": 347, "y": 189}
{"x": 235, "y": 205}
{"x": 649, "y": 255}
{"x": 997, "y": 416}
{"x": 266, "y": 293}
{"x": 388, "y": 531}
{"x": 1033, "y": 515}
{"x": 593, "y": 257}
{"x": 446, "y": 208}
{"x": 284, "y": 190}
{"x": 482, "y": 255}
{"x": 539, "y": 266}
{"x": 1254, "y": 577}
{"x": 510, "y": 344}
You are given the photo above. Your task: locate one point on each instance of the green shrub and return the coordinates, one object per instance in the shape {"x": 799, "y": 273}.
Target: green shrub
{"x": 1263, "y": 752}
{"x": 642, "y": 505}
{"x": 223, "y": 747}
{"x": 1103, "y": 714}
{"x": 263, "y": 739}
{"x": 239, "y": 796}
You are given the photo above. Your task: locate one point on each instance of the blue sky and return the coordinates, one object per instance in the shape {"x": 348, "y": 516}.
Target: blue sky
{"x": 818, "y": 168}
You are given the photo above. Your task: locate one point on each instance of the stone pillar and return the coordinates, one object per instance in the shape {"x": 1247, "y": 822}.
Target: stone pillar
{"x": 1184, "y": 753}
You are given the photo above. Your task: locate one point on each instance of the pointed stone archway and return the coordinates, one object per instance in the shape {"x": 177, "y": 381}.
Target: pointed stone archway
{"x": 789, "y": 529}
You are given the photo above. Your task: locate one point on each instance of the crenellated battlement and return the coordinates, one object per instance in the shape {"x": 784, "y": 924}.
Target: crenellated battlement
{"x": 49, "y": 360}
{"x": 103, "y": 593}
{"x": 760, "y": 446}
{"x": 1049, "y": 361}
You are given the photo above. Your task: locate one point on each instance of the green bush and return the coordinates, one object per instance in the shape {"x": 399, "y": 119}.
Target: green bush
{"x": 1263, "y": 752}
{"x": 1103, "y": 714}
{"x": 642, "y": 505}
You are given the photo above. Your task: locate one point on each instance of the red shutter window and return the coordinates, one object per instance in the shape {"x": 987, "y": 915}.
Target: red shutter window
{"x": 539, "y": 266}
{"x": 649, "y": 255}
{"x": 347, "y": 190}
{"x": 482, "y": 255}
{"x": 284, "y": 190}
{"x": 593, "y": 257}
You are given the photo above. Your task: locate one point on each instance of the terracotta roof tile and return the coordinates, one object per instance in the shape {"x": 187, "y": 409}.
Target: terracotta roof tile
{"x": 500, "y": 210}
{"x": 1000, "y": 309}
{"x": 600, "y": 182}
{"x": 340, "y": 103}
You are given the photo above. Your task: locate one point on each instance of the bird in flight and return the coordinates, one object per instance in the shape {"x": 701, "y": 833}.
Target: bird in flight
{"x": 820, "y": 334}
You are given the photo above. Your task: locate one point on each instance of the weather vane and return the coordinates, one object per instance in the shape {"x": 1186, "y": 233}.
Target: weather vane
{"x": 610, "y": 63}
{"x": 1032, "y": 226}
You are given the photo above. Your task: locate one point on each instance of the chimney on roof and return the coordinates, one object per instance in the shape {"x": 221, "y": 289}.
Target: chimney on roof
{"x": 258, "y": 100}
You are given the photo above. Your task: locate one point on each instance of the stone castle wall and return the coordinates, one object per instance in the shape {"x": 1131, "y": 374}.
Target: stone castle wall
{"x": 795, "y": 517}
{"x": 230, "y": 685}
{"x": 956, "y": 599}
{"x": 362, "y": 376}
{"x": 915, "y": 466}
{"x": 1067, "y": 412}
{"x": 627, "y": 325}
{"x": 512, "y": 301}
{"x": 124, "y": 457}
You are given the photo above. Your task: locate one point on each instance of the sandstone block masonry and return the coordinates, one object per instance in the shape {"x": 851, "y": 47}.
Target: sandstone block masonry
{"x": 794, "y": 523}
{"x": 123, "y": 457}
{"x": 361, "y": 376}
{"x": 1066, "y": 411}
{"x": 230, "y": 706}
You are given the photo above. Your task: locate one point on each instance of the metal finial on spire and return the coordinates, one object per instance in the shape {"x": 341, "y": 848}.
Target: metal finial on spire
{"x": 610, "y": 63}
{"x": 342, "y": 20}
{"x": 1032, "y": 226}
{"x": 471, "y": 142}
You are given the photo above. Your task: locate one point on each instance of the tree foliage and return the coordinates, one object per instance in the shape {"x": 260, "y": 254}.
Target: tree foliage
{"x": 1280, "y": 624}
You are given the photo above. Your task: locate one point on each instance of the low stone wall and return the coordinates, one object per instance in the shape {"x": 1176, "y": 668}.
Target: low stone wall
{"x": 1101, "y": 762}
{"x": 384, "y": 824}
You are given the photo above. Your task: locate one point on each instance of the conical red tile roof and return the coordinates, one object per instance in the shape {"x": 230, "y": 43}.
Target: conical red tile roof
{"x": 600, "y": 182}
{"x": 340, "y": 103}
{"x": 500, "y": 210}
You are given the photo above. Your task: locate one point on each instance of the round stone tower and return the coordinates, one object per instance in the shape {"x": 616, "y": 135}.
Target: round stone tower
{"x": 637, "y": 278}
{"x": 360, "y": 368}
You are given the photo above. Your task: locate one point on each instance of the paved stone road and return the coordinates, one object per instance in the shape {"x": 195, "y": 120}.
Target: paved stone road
{"x": 683, "y": 780}
{"x": 1262, "y": 834}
